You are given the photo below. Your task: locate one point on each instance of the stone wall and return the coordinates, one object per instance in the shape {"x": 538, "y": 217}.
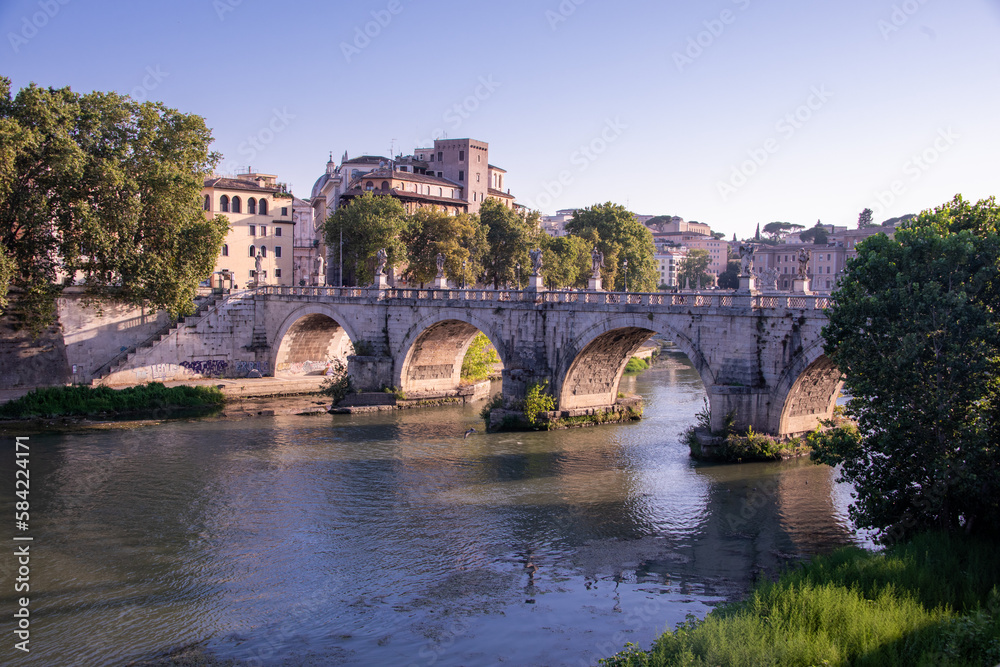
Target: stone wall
{"x": 86, "y": 338}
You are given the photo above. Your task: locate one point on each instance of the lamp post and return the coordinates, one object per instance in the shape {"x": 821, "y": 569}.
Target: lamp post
{"x": 519, "y": 276}
{"x": 625, "y": 266}
{"x": 463, "y": 274}
{"x": 340, "y": 270}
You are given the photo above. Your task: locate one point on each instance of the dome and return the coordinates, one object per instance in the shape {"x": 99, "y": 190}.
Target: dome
{"x": 318, "y": 187}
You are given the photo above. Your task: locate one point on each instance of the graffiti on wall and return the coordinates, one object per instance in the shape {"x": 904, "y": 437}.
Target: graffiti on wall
{"x": 304, "y": 367}
{"x": 206, "y": 368}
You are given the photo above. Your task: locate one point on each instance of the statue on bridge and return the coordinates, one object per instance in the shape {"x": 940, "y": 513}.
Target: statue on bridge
{"x": 803, "y": 263}
{"x": 536, "y": 262}
{"x": 597, "y": 260}
{"x": 258, "y": 273}
{"x": 440, "y": 265}
{"x": 381, "y": 258}
{"x": 746, "y": 259}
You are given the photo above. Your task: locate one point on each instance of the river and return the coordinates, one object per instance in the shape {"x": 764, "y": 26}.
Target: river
{"x": 389, "y": 539}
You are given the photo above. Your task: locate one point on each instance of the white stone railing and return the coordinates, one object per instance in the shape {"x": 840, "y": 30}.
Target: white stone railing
{"x": 703, "y": 299}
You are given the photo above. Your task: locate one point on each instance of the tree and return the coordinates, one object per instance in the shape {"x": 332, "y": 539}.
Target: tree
{"x": 480, "y": 359}
{"x": 567, "y": 260}
{"x": 105, "y": 189}
{"x": 508, "y": 236}
{"x": 777, "y": 231}
{"x": 693, "y": 270}
{"x": 865, "y": 219}
{"x": 461, "y": 238}
{"x": 915, "y": 329}
{"x": 6, "y": 275}
{"x": 817, "y": 235}
{"x": 730, "y": 278}
{"x": 620, "y": 237}
{"x": 369, "y": 223}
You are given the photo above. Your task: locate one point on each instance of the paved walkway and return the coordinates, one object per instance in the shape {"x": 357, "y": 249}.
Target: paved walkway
{"x": 232, "y": 388}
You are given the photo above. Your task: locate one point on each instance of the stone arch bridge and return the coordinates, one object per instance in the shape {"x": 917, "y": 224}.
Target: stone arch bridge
{"x": 759, "y": 356}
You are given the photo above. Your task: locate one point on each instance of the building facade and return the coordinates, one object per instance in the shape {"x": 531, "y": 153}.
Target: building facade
{"x": 261, "y": 224}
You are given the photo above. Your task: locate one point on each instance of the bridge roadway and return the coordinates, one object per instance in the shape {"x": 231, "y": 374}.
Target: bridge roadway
{"x": 759, "y": 355}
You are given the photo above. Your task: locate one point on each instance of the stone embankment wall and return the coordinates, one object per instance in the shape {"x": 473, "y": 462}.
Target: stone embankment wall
{"x": 85, "y": 338}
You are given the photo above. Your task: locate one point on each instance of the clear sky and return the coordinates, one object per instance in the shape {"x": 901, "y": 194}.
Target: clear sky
{"x": 730, "y": 112}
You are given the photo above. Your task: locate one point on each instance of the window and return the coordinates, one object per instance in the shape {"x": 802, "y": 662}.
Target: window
{"x": 253, "y": 274}
{"x": 252, "y": 206}
{"x": 440, "y": 174}
{"x": 479, "y": 158}
{"x": 369, "y": 186}
{"x": 208, "y": 203}
{"x": 277, "y": 230}
{"x": 253, "y": 230}
{"x": 224, "y": 204}
{"x": 277, "y": 251}
{"x": 432, "y": 157}
{"x": 263, "y": 230}
{"x": 440, "y": 156}
{"x": 253, "y": 251}
{"x": 225, "y": 250}
{"x": 440, "y": 192}
{"x": 263, "y": 251}
{"x": 461, "y": 175}
{"x": 477, "y": 178}
{"x": 461, "y": 156}
{"x": 284, "y": 211}
{"x": 237, "y": 205}
{"x": 263, "y": 207}
{"x": 385, "y": 186}
{"x": 277, "y": 273}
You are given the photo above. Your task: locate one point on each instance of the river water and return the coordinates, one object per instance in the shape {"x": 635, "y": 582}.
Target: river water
{"x": 389, "y": 539}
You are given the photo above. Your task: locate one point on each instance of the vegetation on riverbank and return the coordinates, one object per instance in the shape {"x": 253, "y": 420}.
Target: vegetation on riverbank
{"x": 82, "y": 401}
{"x": 934, "y": 600}
{"x": 731, "y": 446}
{"x": 635, "y": 366}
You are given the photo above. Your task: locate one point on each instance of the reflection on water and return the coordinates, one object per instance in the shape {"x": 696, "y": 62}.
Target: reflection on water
{"x": 388, "y": 538}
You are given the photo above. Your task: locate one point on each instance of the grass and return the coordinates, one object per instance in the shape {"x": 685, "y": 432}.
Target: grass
{"x": 82, "y": 401}
{"x": 932, "y": 601}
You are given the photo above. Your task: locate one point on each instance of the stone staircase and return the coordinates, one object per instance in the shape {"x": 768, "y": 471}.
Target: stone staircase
{"x": 121, "y": 360}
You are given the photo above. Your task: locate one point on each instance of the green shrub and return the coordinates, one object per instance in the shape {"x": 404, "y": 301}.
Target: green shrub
{"x": 538, "y": 400}
{"x": 338, "y": 384}
{"x": 81, "y": 401}
{"x": 635, "y": 365}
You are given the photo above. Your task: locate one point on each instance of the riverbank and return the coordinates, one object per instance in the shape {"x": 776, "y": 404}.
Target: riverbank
{"x": 932, "y": 601}
{"x": 240, "y": 399}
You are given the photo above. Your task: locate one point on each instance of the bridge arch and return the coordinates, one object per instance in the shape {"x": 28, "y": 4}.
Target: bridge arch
{"x": 591, "y": 368}
{"x": 310, "y": 337}
{"x": 806, "y": 391}
{"x": 431, "y": 354}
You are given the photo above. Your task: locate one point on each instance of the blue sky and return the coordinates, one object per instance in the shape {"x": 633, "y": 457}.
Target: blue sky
{"x": 731, "y": 112}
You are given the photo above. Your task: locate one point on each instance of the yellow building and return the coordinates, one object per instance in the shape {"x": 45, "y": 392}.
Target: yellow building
{"x": 261, "y": 224}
